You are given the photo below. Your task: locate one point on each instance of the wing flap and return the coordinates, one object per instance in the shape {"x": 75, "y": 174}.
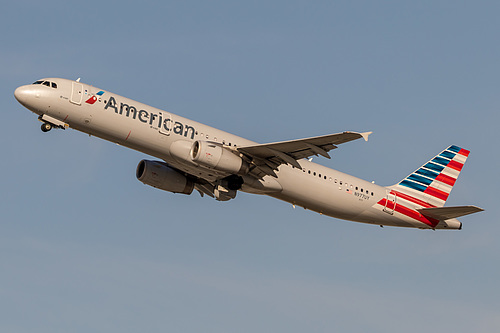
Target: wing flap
{"x": 288, "y": 152}
{"x": 446, "y": 213}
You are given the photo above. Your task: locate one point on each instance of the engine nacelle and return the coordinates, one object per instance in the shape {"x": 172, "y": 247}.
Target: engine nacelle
{"x": 214, "y": 156}
{"x": 159, "y": 175}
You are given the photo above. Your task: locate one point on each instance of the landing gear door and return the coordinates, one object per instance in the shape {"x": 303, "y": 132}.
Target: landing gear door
{"x": 390, "y": 203}
{"x": 167, "y": 125}
{"x": 76, "y": 93}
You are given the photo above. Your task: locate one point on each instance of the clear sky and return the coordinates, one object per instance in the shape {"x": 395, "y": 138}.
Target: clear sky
{"x": 85, "y": 247}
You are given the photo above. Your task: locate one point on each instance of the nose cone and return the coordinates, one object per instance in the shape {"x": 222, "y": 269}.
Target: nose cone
{"x": 28, "y": 96}
{"x": 23, "y": 94}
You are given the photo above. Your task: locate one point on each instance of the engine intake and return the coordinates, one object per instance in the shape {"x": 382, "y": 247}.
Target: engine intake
{"x": 163, "y": 177}
{"x": 214, "y": 156}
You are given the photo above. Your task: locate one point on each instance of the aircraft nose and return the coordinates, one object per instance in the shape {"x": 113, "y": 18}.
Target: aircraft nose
{"x": 23, "y": 94}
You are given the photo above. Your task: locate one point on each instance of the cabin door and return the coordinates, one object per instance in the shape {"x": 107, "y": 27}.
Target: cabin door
{"x": 390, "y": 202}
{"x": 76, "y": 93}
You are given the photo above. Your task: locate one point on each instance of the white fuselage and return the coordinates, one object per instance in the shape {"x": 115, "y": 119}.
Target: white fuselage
{"x": 153, "y": 131}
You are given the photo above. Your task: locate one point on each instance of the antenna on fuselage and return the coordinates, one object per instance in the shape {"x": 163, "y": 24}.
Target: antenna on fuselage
{"x": 78, "y": 80}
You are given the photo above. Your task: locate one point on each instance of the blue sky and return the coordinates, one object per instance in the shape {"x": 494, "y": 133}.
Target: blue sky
{"x": 86, "y": 247}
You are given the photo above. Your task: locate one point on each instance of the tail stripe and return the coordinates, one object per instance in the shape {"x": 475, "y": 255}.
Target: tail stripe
{"x": 411, "y": 199}
{"x": 413, "y": 185}
{"x": 464, "y": 152}
{"x": 446, "y": 179}
{"x": 440, "y": 160}
{"x": 436, "y": 193}
{"x": 427, "y": 173}
{"x": 433, "y": 182}
{"x": 451, "y": 172}
{"x": 460, "y": 158}
{"x": 459, "y": 150}
{"x": 455, "y": 165}
{"x": 420, "y": 179}
{"x": 410, "y": 213}
{"x": 442, "y": 187}
{"x": 434, "y": 167}
{"x": 447, "y": 154}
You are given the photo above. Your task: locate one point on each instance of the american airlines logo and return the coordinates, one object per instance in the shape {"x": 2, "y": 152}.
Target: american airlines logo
{"x": 155, "y": 120}
{"x": 93, "y": 98}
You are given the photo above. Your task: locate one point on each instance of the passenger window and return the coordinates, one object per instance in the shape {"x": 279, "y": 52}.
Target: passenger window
{"x": 319, "y": 175}
{"x": 372, "y": 194}
{"x": 314, "y": 173}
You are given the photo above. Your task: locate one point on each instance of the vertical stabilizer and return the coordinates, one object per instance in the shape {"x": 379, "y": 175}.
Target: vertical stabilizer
{"x": 431, "y": 184}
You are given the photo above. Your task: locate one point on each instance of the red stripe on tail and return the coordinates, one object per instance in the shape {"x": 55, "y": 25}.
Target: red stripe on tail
{"x": 446, "y": 179}
{"x": 436, "y": 193}
{"x": 464, "y": 152}
{"x": 412, "y": 199}
{"x": 410, "y": 213}
{"x": 455, "y": 165}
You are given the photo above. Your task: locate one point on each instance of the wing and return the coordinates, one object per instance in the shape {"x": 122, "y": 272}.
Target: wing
{"x": 267, "y": 157}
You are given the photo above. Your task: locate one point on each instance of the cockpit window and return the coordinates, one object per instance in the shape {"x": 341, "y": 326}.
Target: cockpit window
{"x": 46, "y": 83}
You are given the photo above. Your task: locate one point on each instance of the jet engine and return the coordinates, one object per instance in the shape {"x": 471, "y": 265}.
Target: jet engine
{"x": 160, "y": 175}
{"x": 214, "y": 156}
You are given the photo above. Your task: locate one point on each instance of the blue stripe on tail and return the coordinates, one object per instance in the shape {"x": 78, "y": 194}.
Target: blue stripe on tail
{"x": 413, "y": 185}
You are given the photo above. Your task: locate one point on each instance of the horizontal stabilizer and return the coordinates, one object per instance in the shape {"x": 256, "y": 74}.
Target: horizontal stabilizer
{"x": 445, "y": 213}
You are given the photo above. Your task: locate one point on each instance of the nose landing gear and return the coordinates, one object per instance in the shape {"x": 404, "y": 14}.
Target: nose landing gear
{"x": 46, "y": 127}
{"x": 49, "y": 123}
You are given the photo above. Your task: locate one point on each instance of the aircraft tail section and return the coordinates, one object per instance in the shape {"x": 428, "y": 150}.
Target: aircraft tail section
{"x": 431, "y": 184}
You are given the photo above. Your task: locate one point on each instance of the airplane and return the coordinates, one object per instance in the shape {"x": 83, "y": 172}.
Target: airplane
{"x": 193, "y": 156}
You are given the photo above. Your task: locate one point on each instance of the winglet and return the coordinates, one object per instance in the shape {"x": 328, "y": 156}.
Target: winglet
{"x": 365, "y": 135}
